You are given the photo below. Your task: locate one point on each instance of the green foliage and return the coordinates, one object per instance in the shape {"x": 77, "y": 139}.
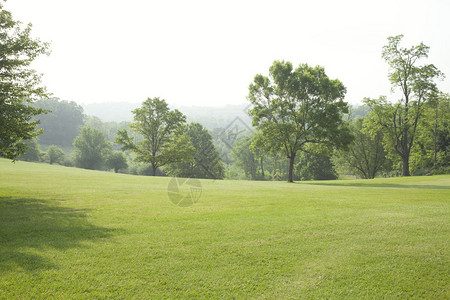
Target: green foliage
{"x": 206, "y": 162}
{"x": 245, "y": 157}
{"x": 109, "y": 128}
{"x": 296, "y": 107}
{"x": 315, "y": 166}
{"x": 68, "y": 161}
{"x": 91, "y": 148}
{"x": 399, "y": 121}
{"x": 143, "y": 169}
{"x": 33, "y": 153}
{"x": 365, "y": 157}
{"x": 20, "y": 85}
{"x": 162, "y": 130}
{"x": 116, "y": 160}
{"x": 61, "y": 124}
{"x": 54, "y": 155}
{"x": 432, "y": 148}
{"x": 225, "y": 138}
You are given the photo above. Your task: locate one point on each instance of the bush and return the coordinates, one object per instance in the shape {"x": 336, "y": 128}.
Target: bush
{"x": 54, "y": 155}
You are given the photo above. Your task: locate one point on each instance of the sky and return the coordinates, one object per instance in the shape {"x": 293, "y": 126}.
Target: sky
{"x": 206, "y": 53}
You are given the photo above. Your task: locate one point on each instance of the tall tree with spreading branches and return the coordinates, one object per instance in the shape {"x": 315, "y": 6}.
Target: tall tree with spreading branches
{"x": 164, "y": 140}
{"x": 296, "y": 107}
{"x": 398, "y": 121}
{"x": 20, "y": 85}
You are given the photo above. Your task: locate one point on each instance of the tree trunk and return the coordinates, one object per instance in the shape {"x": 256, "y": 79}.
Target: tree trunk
{"x": 262, "y": 167}
{"x": 291, "y": 168}
{"x": 116, "y": 170}
{"x": 435, "y": 138}
{"x": 154, "y": 170}
{"x": 405, "y": 171}
{"x": 405, "y": 151}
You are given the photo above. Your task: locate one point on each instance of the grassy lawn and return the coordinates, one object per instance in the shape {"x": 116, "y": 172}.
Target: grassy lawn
{"x": 72, "y": 233}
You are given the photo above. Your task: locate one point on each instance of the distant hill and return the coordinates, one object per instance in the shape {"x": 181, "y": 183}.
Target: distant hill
{"x": 111, "y": 111}
{"x": 210, "y": 117}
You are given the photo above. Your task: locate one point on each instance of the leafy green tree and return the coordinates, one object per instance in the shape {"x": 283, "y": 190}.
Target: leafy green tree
{"x": 163, "y": 140}
{"x": 33, "y": 153}
{"x": 20, "y": 85}
{"x": 54, "y": 155}
{"x": 61, "y": 124}
{"x": 117, "y": 161}
{"x": 296, "y": 107}
{"x": 91, "y": 148}
{"x": 398, "y": 121}
{"x": 206, "y": 162}
{"x": 365, "y": 157}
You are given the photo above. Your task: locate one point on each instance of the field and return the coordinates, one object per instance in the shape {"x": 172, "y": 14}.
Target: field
{"x": 72, "y": 233}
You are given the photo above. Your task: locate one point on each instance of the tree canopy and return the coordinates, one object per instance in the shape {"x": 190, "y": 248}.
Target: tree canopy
{"x": 20, "y": 85}
{"x": 163, "y": 141}
{"x": 206, "y": 161}
{"x": 116, "y": 160}
{"x": 296, "y": 107}
{"x": 91, "y": 148}
{"x": 399, "y": 121}
{"x": 366, "y": 156}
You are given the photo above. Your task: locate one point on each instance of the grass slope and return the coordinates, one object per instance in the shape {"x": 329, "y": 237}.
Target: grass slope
{"x": 72, "y": 233}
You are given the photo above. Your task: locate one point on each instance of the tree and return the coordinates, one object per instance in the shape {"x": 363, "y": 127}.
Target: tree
{"x": 294, "y": 108}
{"x": 20, "y": 85}
{"x": 117, "y": 161}
{"x": 163, "y": 140}
{"x": 61, "y": 124}
{"x": 206, "y": 162}
{"x": 365, "y": 157}
{"x": 91, "y": 148}
{"x": 54, "y": 154}
{"x": 398, "y": 121}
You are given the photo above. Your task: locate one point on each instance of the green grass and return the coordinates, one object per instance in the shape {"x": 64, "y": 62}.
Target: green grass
{"x": 73, "y": 233}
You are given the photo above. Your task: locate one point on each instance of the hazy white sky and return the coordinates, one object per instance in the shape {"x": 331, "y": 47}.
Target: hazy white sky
{"x": 207, "y": 52}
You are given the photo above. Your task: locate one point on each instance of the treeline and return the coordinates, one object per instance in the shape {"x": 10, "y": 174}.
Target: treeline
{"x": 302, "y": 129}
{"x": 73, "y": 139}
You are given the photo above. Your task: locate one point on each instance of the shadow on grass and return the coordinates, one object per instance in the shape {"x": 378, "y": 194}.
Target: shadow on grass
{"x": 29, "y": 226}
{"x": 369, "y": 184}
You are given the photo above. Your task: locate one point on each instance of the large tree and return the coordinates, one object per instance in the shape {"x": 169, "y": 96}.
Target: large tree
{"x": 163, "y": 140}
{"x": 295, "y": 107}
{"x": 20, "y": 85}
{"x": 398, "y": 121}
